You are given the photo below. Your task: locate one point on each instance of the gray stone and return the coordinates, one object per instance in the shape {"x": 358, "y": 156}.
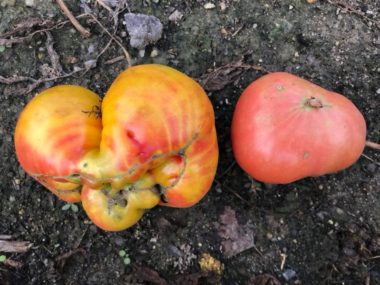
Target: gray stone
{"x": 142, "y": 29}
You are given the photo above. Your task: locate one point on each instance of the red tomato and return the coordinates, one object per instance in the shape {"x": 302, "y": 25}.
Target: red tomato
{"x": 286, "y": 128}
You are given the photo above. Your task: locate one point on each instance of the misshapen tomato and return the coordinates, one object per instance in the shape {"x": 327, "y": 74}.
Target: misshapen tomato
{"x": 154, "y": 143}
{"x": 285, "y": 128}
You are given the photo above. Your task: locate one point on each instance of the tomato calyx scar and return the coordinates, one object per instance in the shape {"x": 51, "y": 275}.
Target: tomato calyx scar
{"x": 314, "y": 102}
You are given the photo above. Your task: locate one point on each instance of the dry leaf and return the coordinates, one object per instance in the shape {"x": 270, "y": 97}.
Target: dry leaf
{"x": 236, "y": 238}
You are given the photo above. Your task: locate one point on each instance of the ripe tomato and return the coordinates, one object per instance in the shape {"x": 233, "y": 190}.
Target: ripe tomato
{"x": 155, "y": 142}
{"x": 285, "y": 128}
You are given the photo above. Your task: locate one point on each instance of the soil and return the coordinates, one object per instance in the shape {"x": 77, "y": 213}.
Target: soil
{"x": 322, "y": 230}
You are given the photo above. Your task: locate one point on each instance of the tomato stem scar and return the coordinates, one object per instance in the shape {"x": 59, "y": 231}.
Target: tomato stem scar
{"x": 314, "y": 103}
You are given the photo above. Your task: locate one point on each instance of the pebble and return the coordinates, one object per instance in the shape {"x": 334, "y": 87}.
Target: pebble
{"x": 141, "y": 53}
{"x": 339, "y": 211}
{"x": 209, "y": 6}
{"x": 223, "y": 6}
{"x": 176, "y": 16}
{"x": 90, "y": 63}
{"x": 289, "y": 274}
{"x": 378, "y": 91}
{"x": 29, "y": 3}
{"x": 154, "y": 53}
{"x": 142, "y": 29}
{"x": 349, "y": 251}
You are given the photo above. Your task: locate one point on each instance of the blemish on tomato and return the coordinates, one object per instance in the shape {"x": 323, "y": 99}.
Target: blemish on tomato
{"x": 306, "y": 154}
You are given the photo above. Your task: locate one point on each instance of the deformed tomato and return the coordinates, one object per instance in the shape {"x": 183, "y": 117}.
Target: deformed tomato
{"x": 152, "y": 140}
{"x": 285, "y": 128}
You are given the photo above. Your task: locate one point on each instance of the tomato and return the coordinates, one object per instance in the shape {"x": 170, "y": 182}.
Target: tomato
{"x": 152, "y": 140}
{"x": 285, "y": 128}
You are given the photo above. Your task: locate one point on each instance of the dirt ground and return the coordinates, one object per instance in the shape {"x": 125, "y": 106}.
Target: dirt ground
{"x": 323, "y": 230}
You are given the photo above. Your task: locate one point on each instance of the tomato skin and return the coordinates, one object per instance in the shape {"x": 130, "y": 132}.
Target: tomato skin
{"x": 277, "y": 137}
{"x": 151, "y": 113}
{"x": 155, "y": 143}
{"x": 53, "y": 133}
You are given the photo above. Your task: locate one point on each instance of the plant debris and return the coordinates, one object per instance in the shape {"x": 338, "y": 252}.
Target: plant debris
{"x": 236, "y": 238}
{"x": 226, "y": 74}
{"x": 61, "y": 259}
{"x": 86, "y": 33}
{"x": 207, "y": 263}
{"x": 7, "y": 245}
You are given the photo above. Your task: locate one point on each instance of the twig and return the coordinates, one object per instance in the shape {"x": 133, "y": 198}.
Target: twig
{"x": 17, "y": 40}
{"x": 69, "y": 253}
{"x": 283, "y": 260}
{"x": 13, "y": 263}
{"x": 15, "y": 79}
{"x": 61, "y": 259}
{"x": 353, "y": 10}
{"x": 372, "y": 145}
{"x": 226, "y": 74}
{"x": 104, "y": 5}
{"x": 27, "y": 25}
{"x": 54, "y": 57}
{"x": 3, "y": 237}
{"x": 114, "y": 60}
{"x": 38, "y": 82}
{"x": 127, "y": 56}
{"x": 14, "y": 246}
{"x": 72, "y": 19}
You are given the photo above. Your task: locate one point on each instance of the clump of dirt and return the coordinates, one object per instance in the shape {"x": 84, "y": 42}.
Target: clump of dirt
{"x": 323, "y": 230}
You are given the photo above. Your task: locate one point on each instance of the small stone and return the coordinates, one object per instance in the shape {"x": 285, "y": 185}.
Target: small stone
{"x": 209, "y": 6}
{"x": 29, "y": 3}
{"x": 269, "y": 236}
{"x": 223, "y": 6}
{"x": 91, "y": 48}
{"x": 349, "y": 251}
{"x": 378, "y": 91}
{"x": 90, "y": 63}
{"x": 154, "y": 53}
{"x": 119, "y": 241}
{"x": 339, "y": 211}
{"x": 289, "y": 274}
{"x": 142, "y": 29}
{"x": 176, "y": 16}
{"x": 141, "y": 53}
